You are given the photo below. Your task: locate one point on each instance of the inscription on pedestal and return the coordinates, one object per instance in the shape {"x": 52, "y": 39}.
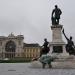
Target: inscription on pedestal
{"x": 57, "y": 49}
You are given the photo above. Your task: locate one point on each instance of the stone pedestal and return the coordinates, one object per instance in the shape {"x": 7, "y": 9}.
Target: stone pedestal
{"x": 57, "y": 45}
{"x": 64, "y": 62}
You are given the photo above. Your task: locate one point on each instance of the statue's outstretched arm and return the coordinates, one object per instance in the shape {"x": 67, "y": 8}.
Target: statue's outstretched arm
{"x": 65, "y": 34}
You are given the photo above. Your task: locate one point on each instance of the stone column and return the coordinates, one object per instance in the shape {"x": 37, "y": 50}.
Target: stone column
{"x": 56, "y": 33}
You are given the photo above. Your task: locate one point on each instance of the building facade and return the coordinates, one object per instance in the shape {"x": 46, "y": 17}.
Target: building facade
{"x": 11, "y": 46}
{"x": 31, "y": 50}
{"x": 14, "y": 46}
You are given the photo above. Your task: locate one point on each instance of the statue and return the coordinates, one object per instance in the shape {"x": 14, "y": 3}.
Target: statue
{"x": 70, "y": 45}
{"x": 45, "y": 48}
{"x": 56, "y": 15}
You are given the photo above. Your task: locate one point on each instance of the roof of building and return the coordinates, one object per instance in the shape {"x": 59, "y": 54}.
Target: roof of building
{"x": 31, "y": 45}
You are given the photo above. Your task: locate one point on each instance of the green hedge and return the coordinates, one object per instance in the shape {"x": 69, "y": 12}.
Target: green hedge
{"x": 16, "y": 60}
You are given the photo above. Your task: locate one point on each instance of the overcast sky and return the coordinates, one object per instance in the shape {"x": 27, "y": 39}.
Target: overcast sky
{"x": 32, "y": 18}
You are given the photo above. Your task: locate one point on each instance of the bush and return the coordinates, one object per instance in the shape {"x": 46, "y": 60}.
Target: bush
{"x": 16, "y": 60}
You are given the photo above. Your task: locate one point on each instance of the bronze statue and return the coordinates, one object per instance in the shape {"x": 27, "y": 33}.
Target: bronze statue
{"x": 56, "y": 15}
{"x": 70, "y": 48}
{"x": 45, "y": 48}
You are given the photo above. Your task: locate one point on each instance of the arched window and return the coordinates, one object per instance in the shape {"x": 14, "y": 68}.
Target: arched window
{"x": 10, "y": 48}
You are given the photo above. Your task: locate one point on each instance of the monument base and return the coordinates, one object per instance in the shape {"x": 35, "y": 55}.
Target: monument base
{"x": 62, "y": 62}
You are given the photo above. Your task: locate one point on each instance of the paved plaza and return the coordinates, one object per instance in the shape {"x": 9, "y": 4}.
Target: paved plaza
{"x": 24, "y": 69}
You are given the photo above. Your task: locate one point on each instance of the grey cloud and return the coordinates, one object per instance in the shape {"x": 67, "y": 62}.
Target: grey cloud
{"x": 32, "y": 18}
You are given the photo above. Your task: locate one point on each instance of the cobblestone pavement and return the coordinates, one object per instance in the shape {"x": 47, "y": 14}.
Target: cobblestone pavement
{"x": 24, "y": 69}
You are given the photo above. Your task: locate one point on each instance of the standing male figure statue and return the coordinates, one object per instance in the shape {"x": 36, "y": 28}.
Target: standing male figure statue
{"x": 56, "y": 15}
{"x": 70, "y": 45}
